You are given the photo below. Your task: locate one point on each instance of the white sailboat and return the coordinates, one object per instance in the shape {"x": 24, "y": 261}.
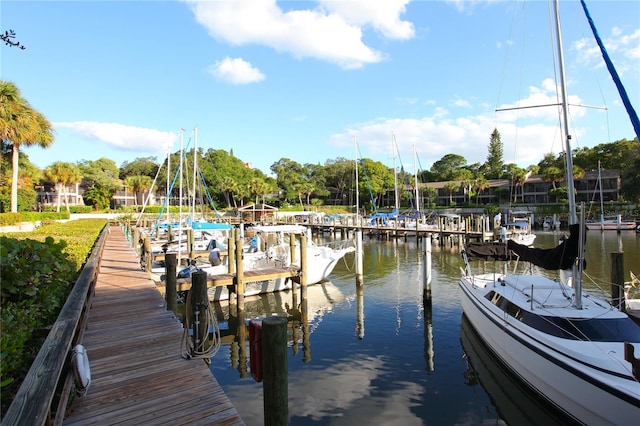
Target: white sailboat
{"x": 574, "y": 350}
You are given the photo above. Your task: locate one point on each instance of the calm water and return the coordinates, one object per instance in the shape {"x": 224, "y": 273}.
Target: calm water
{"x": 381, "y": 357}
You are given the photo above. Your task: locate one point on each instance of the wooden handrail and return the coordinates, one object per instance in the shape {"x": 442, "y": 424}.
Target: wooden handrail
{"x": 46, "y": 387}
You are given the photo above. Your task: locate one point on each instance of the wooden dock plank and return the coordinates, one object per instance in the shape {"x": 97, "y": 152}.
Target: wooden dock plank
{"x": 134, "y": 345}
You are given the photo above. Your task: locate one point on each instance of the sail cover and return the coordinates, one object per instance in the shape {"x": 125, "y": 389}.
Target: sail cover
{"x": 560, "y": 257}
{"x": 488, "y": 251}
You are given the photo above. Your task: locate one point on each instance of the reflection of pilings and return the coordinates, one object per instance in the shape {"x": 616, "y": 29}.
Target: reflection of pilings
{"x": 360, "y": 311}
{"x": 242, "y": 344}
{"x": 428, "y": 334}
{"x": 306, "y": 341}
{"x": 294, "y": 330}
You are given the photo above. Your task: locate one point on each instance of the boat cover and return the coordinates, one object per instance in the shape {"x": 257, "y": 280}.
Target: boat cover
{"x": 560, "y": 257}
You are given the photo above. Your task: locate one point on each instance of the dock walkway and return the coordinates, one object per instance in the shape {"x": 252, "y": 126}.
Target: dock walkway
{"x": 138, "y": 375}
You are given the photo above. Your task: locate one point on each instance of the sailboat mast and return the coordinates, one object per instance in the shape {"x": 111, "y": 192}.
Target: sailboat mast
{"x": 195, "y": 168}
{"x": 601, "y": 200}
{"x": 415, "y": 177}
{"x": 355, "y": 145}
{"x": 573, "y": 217}
{"x": 168, "y": 185}
{"x": 395, "y": 172}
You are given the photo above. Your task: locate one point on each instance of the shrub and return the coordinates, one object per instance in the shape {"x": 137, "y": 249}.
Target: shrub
{"x": 38, "y": 271}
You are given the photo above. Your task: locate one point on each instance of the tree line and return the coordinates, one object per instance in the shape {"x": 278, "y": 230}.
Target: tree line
{"x": 225, "y": 181}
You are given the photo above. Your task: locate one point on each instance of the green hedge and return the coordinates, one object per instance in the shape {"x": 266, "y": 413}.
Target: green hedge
{"x": 38, "y": 271}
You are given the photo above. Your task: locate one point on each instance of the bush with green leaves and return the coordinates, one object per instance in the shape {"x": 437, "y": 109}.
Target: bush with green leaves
{"x": 38, "y": 272}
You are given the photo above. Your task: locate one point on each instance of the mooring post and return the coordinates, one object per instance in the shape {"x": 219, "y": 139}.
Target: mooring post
{"x": 617, "y": 280}
{"x": 136, "y": 240}
{"x": 303, "y": 267}
{"x": 426, "y": 261}
{"x": 148, "y": 256}
{"x": 275, "y": 371}
{"x": 199, "y": 308}
{"x": 292, "y": 247}
{"x": 239, "y": 275}
{"x": 171, "y": 262}
{"x": 190, "y": 237}
{"x": 231, "y": 252}
{"x": 359, "y": 255}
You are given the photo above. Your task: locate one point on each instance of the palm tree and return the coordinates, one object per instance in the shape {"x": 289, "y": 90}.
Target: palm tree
{"x": 450, "y": 187}
{"x": 480, "y": 184}
{"x": 139, "y": 184}
{"x": 62, "y": 174}
{"x": 20, "y": 124}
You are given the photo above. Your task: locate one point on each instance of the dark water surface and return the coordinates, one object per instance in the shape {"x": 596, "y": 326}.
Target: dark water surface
{"x": 383, "y": 357}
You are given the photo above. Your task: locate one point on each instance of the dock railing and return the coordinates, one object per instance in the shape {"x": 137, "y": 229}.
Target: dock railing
{"x": 43, "y": 396}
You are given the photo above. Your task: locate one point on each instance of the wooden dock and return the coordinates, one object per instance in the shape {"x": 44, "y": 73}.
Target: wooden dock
{"x": 138, "y": 375}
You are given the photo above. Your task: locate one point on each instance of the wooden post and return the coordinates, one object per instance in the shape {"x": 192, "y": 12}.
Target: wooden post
{"x": 303, "y": 267}
{"x": 190, "y": 243}
{"x": 617, "y": 280}
{"x": 426, "y": 273}
{"x": 171, "y": 262}
{"x": 292, "y": 248}
{"x": 239, "y": 275}
{"x": 359, "y": 255}
{"x": 148, "y": 256}
{"x": 199, "y": 308}
{"x": 169, "y": 233}
{"x": 275, "y": 371}
{"x": 231, "y": 252}
{"x": 136, "y": 240}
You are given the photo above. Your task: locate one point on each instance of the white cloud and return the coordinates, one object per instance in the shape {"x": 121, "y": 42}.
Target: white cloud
{"x": 235, "y": 71}
{"x": 127, "y": 138}
{"x": 527, "y": 134}
{"x": 331, "y": 31}
{"x": 381, "y": 15}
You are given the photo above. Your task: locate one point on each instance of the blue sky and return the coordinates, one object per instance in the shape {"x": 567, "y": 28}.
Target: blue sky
{"x": 304, "y": 79}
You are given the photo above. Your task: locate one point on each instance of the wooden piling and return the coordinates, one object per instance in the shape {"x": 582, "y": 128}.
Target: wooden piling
{"x": 275, "y": 371}
{"x": 190, "y": 237}
{"x": 359, "y": 255}
{"x": 199, "y": 308}
{"x": 231, "y": 252}
{"x": 239, "y": 277}
{"x": 303, "y": 267}
{"x": 426, "y": 273}
{"x": 148, "y": 256}
{"x": 171, "y": 262}
{"x": 617, "y": 280}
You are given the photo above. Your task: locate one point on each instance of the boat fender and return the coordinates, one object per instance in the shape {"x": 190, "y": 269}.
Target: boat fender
{"x": 81, "y": 369}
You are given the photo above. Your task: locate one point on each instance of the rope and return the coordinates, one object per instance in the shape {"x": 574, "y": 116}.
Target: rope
{"x": 209, "y": 346}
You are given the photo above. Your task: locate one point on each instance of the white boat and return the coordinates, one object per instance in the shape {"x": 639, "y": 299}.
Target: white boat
{"x": 517, "y": 229}
{"x": 574, "y": 350}
{"x": 274, "y": 251}
{"x": 612, "y": 224}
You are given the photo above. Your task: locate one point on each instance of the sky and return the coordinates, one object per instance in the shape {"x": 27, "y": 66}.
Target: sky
{"x": 398, "y": 81}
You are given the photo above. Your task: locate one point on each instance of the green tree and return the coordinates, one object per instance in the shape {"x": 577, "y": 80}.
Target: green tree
{"x": 448, "y": 167}
{"x": 100, "y": 181}
{"x": 63, "y": 174}
{"x": 146, "y": 166}
{"x": 480, "y": 184}
{"x": 139, "y": 185}
{"x": 20, "y": 125}
{"x": 451, "y": 187}
{"x": 494, "y": 163}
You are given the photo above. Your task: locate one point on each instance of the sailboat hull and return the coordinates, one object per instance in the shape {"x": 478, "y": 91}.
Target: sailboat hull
{"x": 586, "y": 380}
